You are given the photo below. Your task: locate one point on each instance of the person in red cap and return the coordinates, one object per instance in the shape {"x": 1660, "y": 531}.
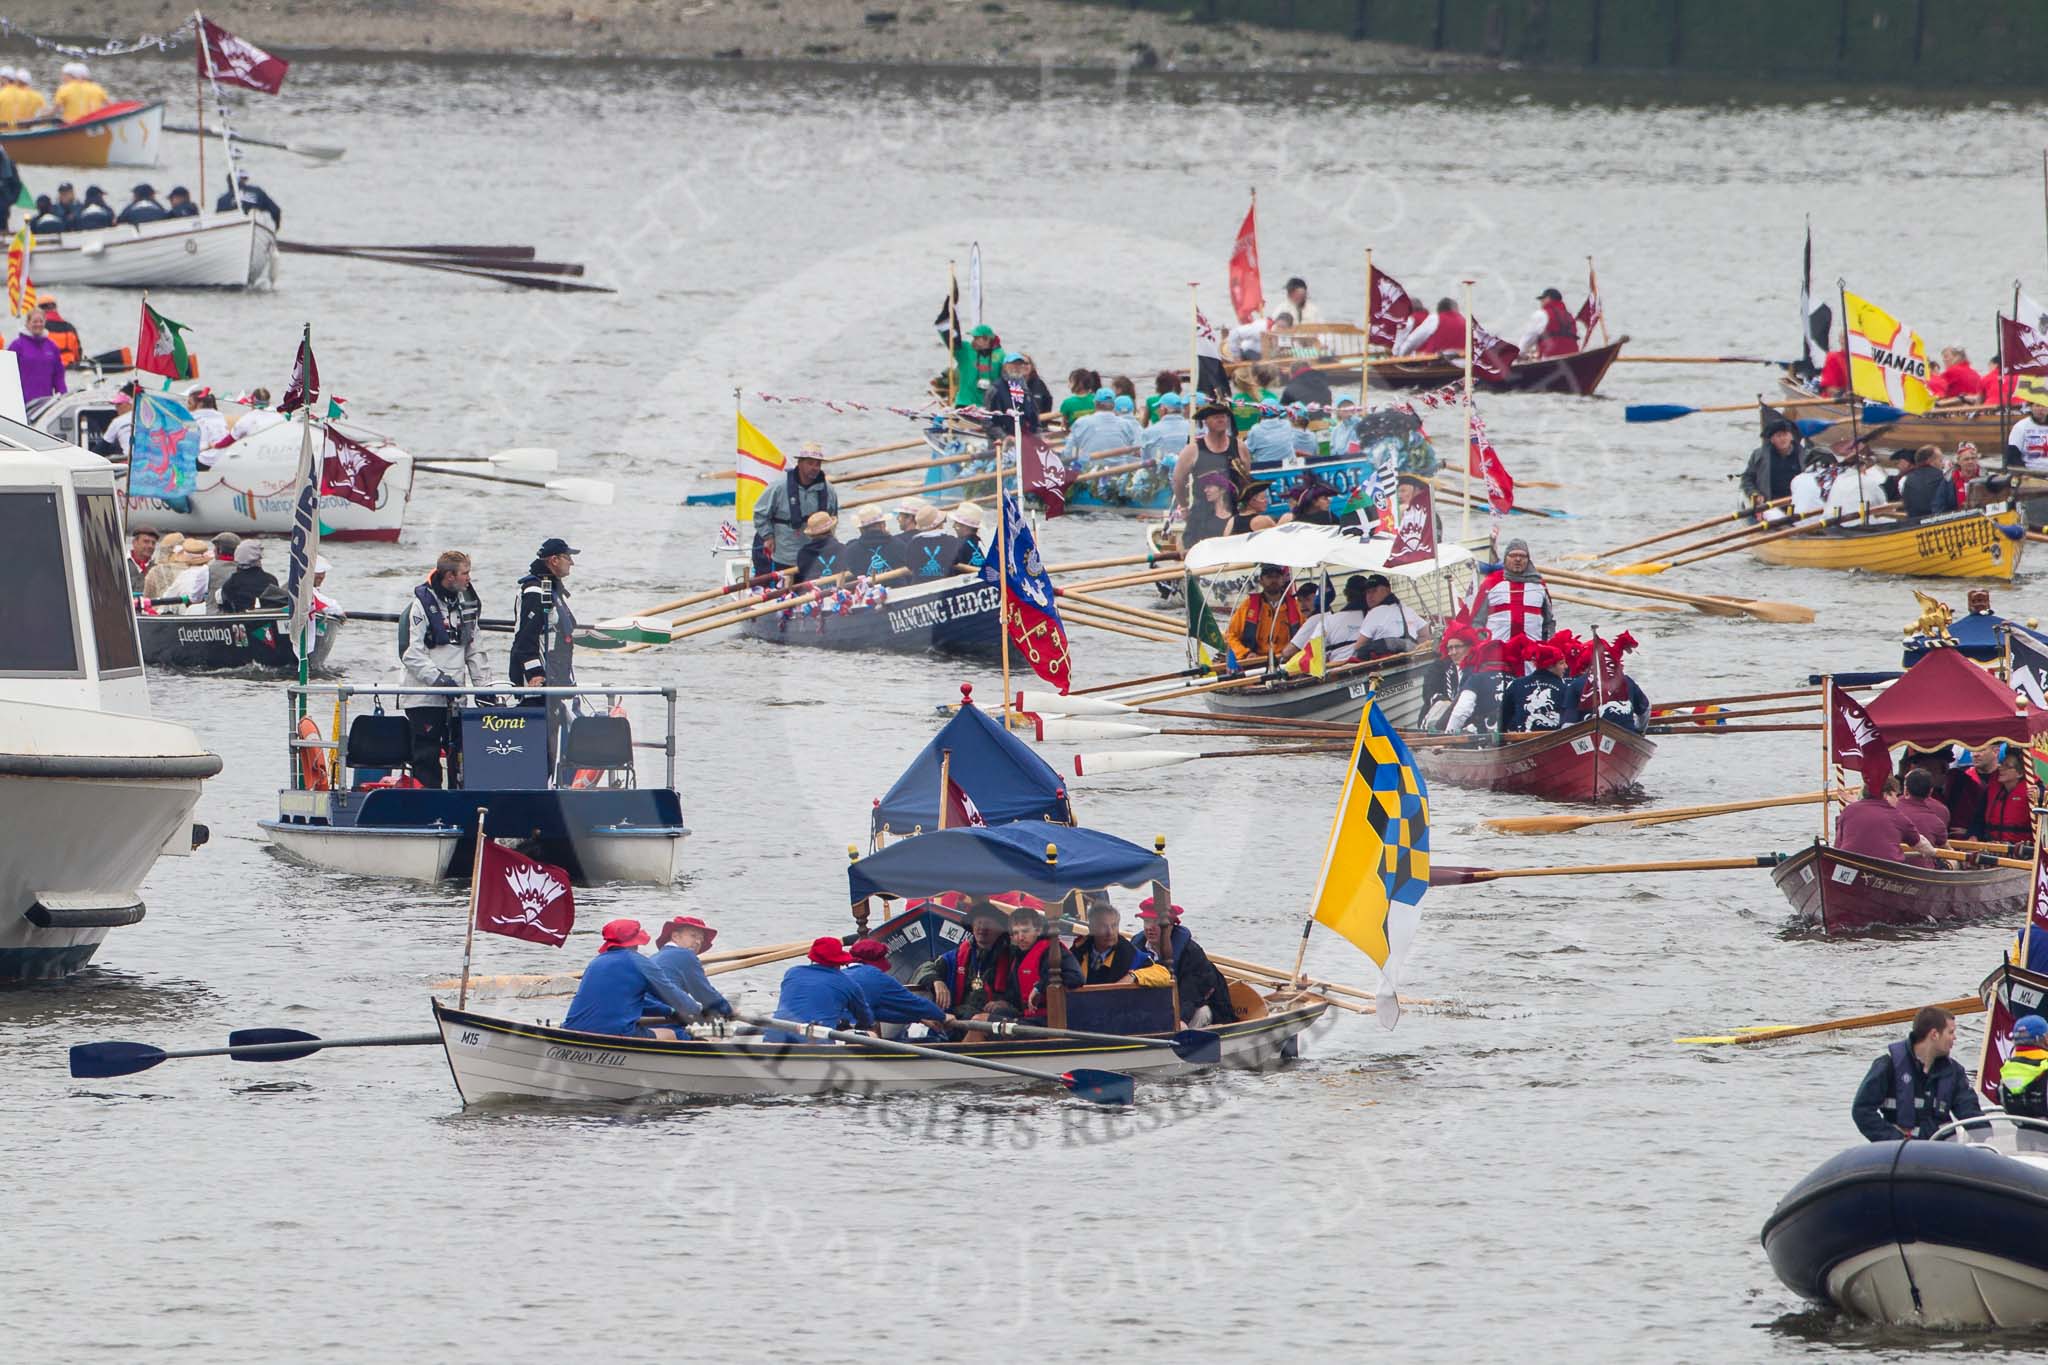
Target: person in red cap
{"x": 818, "y": 992}
{"x": 894, "y": 1004}
{"x": 1445, "y": 677}
{"x": 1540, "y": 700}
{"x": 620, "y": 985}
{"x": 1020, "y": 982}
{"x": 1204, "y": 994}
{"x": 1477, "y": 709}
{"x": 676, "y": 950}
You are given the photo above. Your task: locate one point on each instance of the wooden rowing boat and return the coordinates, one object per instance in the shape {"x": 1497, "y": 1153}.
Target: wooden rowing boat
{"x": 1579, "y": 373}
{"x": 956, "y": 615}
{"x": 1589, "y": 761}
{"x": 1840, "y": 893}
{"x": 1938, "y": 426}
{"x": 124, "y": 134}
{"x": 1339, "y": 697}
{"x": 255, "y": 641}
{"x": 1982, "y": 542}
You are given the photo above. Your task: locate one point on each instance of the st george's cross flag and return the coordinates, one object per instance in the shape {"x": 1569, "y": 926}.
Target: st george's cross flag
{"x": 1376, "y": 867}
{"x": 521, "y": 898}
{"x": 1887, "y": 359}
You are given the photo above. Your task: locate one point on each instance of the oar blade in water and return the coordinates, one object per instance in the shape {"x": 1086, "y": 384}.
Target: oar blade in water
{"x": 1639, "y": 570}
{"x": 256, "y": 1037}
{"x": 597, "y": 492}
{"x": 1656, "y": 412}
{"x": 1100, "y": 1087}
{"x": 1197, "y": 1045}
{"x": 96, "y": 1061}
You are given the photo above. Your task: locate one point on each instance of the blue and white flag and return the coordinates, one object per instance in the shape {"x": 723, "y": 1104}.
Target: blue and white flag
{"x": 1033, "y": 619}
{"x": 163, "y": 450}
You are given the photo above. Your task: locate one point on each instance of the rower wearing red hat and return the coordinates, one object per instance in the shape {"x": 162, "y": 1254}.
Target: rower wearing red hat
{"x": 1204, "y": 994}
{"x": 676, "y": 950}
{"x": 1445, "y": 677}
{"x": 620, "y": 985}
{"x": 1539, "y": 700}
{"x": 1488, "y": 671}
{"x": 893, "y": 1002}
{"x": 818, "y": 992}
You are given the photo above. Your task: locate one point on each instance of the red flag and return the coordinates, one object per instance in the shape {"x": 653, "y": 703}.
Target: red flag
{"x": 1491, "y": 356}
{"x": 1245, "y": 294}
{"x": 1858, "y": 745}
{"x": 236, "y": 61}
{"x": 305, "y": 381}
{"x": 1588, "y": 315}
{"x": 1392, "y": 309}
{"x": 1484, "y": 463}
{"x": 2035, "y": 943}
{"x": 521, "y": 898}
{"x": 960, "y": 809}
{"x": 2026, "y": 348}
{"x": 1415, "y": 532}
{"x": 352, "y": 470}
{"x": 1044, "y": 473}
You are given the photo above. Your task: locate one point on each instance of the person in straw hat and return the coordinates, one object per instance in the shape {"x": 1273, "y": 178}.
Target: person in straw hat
{"x": 872, "y": 550}
{"x": 822, "y": 553}
{"x": 966, "y": 523}
{"x": 785, "y": 509}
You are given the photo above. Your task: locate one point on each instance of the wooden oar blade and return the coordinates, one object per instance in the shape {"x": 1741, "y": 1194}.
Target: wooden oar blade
{"x": 1197, "y": 1045}
{"x": 1446, "y": 874}
{"x": 1536, "y": 824}
{"x": 97, "y": 1061}
{"x": 1644, "y": 569}
{"x": 1656, "y": 412}
{"x": 1100, "y": 1087}
{"x": 265, "y": 1037}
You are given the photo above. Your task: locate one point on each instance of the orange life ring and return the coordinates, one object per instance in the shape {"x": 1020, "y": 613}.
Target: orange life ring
{"x": 312, "y": 762}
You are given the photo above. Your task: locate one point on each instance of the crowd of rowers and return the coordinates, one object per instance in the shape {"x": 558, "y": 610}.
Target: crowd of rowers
{"x": 198, "y": 576}
{"x": 998, "y": 971}
{"x": 1947, "y": 793}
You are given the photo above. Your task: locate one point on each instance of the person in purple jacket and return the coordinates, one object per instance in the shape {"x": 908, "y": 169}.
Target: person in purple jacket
{"x": 40, "y": 362}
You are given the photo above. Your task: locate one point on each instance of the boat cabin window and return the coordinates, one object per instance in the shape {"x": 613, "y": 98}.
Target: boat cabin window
{"x": 106, "y": 584}
{"x": 37, "y": 634}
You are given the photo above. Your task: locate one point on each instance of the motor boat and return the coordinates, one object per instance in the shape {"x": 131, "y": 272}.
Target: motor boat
{"x": 93, "y": 789}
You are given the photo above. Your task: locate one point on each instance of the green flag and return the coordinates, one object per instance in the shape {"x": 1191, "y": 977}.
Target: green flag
{"x": 1205, "y": 637}
{"x": 160, "y": 349}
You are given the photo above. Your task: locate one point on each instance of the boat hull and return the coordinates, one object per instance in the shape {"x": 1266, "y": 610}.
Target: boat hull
{"x": 211, "y": 251}
{"x": 1972, "y": 544}
{"x": 1398, "y": 690}
{"x": 125, "y": 134}
{"x": 250, "y": 640}
{"x": 1934, "y": 427}
{"x": 499, "y": 1059}
{"x": 1918, "y": 1234}
{"x": 1585, "y": 762}
{"x": 958, "y": 616}
{"x": 1841, "y": 893}
{"x": 1578, "y": 374}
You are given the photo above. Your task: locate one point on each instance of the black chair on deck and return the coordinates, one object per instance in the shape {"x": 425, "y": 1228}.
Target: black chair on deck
{"x": 379, "y": 741}
{"x": 604, "y": 743}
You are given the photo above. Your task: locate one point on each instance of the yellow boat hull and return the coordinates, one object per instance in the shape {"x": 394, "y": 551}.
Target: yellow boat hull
{"x": 1957, "y": 545}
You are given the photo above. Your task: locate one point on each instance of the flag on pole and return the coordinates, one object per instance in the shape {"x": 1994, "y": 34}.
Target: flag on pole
{"x": 1393, "y": 311}
{"x": 1314, "y": 656}
{"x": 1376, "y": 866}
{"x": 160, "y": 346}
{"x": 2025, "y": 345}
{"x": 728, "y": 538}
{"x": 1816, "y": 320}
{"x": 306, "y": 506}
{"x": 1205, "y": 637}
{"x": 1858, "y": 745}
{"x": 163, "y": 449}
{"x": 759, "y": 462}
{"x": 349, "y": 469}
{"x": 1887, "y": 359}
{"x": 947, "y": 323}
{"x": 1034, "y": 621}
{"x": 2034, "y": 940}
{"x": 521, "y": 898}
{"x": 1246, "y": 295}
{"x": 1485, "y": 463}
{"x": 1588, "y": 315}
{"x": 1415, "y": 531}
{"x": 2028, "y": 675}
{"x": 1042, "y": 472}
{"x": 21, "y": 295}
{"x": 236, "y": 61}
{"x": 960, "y": 808}
{"x": 1998, "y": 1045}
{"x": 1213, "y": 378}
{"x": 305, "y": 380}
{"x": 1491, "y": 356}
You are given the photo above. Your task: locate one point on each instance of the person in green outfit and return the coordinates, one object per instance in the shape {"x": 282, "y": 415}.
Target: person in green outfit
{"x": 976, "y": 365}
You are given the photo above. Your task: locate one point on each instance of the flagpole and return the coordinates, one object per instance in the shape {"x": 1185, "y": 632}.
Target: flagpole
{"x": 952, "y": 332}
{"x": 1593, "y": 280}
{"x": 2003, "y": 386}
{"x": 1855, "y": 434}
{"x": 1194, "y": 359}
{"x": 1365, "y": 345}
{"x": 476, "y": 873}
{"x": 1465, "y": 519}
{"x": 1003, "y": 578}
{"x": 946, "y": 779}
{"x": 2033, "y": 896}
{"x": 200, "y": 72}
{"x": 1827, "y": 750}
{"x": 304, "y": 641}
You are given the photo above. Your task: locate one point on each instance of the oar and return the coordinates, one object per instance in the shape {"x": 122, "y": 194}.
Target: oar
{"x": 1578, "y": 601}
{"x": 595, "y": 491}
{"x": 1696, "y": 360}
{"x": 95, "y": 1061}
{"x": 1755, "y": 528}
{"x": 315, "y": 150}
{"x": 862, "y": 454}
{"x": 1190, "y": 1044}
{"x": 1081, "y": 617}
{"x": 479, "y": 271}
{"x": 904, "y": 467}
{"x": 1099, "y": 1087}
{"x": 1135, "y": 760}
{"x": 1115, "y": 562}
{"x": 1779, "y": 613}
{"x": 484, "y": 252}
{"x": 1665, "y": 412}
{"x": 1747, "y": 540}
{"x": 526, "y": 459}
{"x": 1565, "y": 824}
{"x": 1742, "y": 515}
{"x": 1443, "y": 874}
{"x": 483, "y": 263}
{"x": 394, "y": 617}
{"x": 1968, "y": 1004}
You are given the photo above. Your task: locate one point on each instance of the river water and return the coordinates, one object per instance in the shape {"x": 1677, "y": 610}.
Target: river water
{"x": 1529, "y": 1169}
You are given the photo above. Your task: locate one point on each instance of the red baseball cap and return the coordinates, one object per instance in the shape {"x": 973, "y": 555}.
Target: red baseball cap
{"x": 826, "y": 952}
{"x": 623, "y": 933}
{"x": 870, "y": 950}
{"x": 1145, "y": 911}
{"x": 668, "y": 930}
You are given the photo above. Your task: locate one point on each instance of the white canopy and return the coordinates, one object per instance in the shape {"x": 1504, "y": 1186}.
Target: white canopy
{"x": 1299, "y": 546}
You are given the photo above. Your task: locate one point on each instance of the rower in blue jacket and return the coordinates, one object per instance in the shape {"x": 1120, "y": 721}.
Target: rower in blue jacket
{"x": 817, "y": 992}
{"x": 676, "y": 950}
{"x": 619, "y": 986}
{"x": 890, "y": 999}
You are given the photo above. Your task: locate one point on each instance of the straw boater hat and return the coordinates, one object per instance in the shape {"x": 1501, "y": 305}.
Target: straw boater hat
{"x": 869, "y": 515}
{"x": 929, "y": 518}
{"x": 909, "y": 507}
{"x": 820, "y": 524}
{"x": 968, "y": 514}
{"x": 810, "y": 450}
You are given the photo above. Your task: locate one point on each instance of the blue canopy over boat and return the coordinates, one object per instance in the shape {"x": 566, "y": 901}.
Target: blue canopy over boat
{"x": 988, "y": 860}
{"x": 1976, "y": 635}
{"x": 999, "y": 773}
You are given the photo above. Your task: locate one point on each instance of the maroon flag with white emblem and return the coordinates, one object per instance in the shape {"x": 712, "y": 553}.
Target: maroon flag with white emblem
{"x": 960, "y": 808}
{"x": 1043, "y": 472}
{"x": 1415, "y": 531}
{"x": 521, "y": 898}
{"x": 1858, "y": 745}
{"x": 1392, "y": 310}
{"x": 350, "y": 469}
{"x": 1491, "y": 356}
{"x": 305, "y": 380}
{"x": 236, "y": 61}
{"x": 2025, "y": 346}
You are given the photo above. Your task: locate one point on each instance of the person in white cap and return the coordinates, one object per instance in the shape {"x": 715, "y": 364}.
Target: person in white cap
{"x": 79, "y": 94}
{"x": 906, "y": 515}
{"x": 935, "y": 552}
{"x": 324, "y": 601}
{"x": 20, "y": 101}
{"x": 966, "y": 520}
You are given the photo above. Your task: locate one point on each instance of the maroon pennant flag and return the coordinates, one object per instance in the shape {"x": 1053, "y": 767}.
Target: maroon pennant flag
{"x": 350, "y": 469}
{"x": 521, "y": 898}
{"x": 236, "y": 61}
{"x": 1043, "y": 472}
{"x": 1415, "y": 531}
{"x": 1588, "y": 315}
{"x": 1491, "y": 356}
{"x": 1858, "y": 745}
{"x": 2026, "y": 348}
{"x": 1392, "y": 309}
{"x": 960, "y": 808}
{"x": 2004, "y": 1013}
{"x": 305, "y": 380}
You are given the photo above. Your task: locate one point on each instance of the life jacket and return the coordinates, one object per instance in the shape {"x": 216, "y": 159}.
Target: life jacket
{"x": 66, "y": 337}
{"x": 439, "y": 632}
{"x": 1024, "y": 973}
{"x": 2020, "y": 1090}
{"x": 1560, "y": 330}
{"x": 1290, "y": 612}
{"x": 2008, "y": 816}
{"x": 1522, "y": 601}
{"x": 964, "y": 976}
{"x": 1905, "y": 1098}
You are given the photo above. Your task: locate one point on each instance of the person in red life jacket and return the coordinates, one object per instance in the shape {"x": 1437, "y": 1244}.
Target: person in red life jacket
{"x": 1107, "y": 958}
{"x": 1266, "y": 620}
{"x": 1513, "y": 600}
{"x": 1021, "y": 979}
{"x": 1204, "y": 993}
{"x": 895, "y": 1005}
{"x": 1967, "y": 787}
{"x": 62, "y": 333}
{"x": 1927, "y": 815}
{"x": 1957, "y": 381}
{"x": 1552, "y": 330}
{"x": 2008, "y": 814}
{"x": 620, "y": 985}
{"x": 964, "y": 980}
{"x": 1873, "y": 827}
{"x": 1834, "y": 374}
{"x": 818, "y": 992}
{"x": 1441, "y": 333}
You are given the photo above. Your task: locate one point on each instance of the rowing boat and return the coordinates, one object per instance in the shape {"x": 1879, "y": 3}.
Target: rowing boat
{"x": 1839, "y": 893}
{"x": 1983, "y": 542}
{"x": 123, "y": 134}
{"x": 253, "y": 640}
{"x": 956, "y": 615}
{"x": 232, "y": 250}
{"x": 1579, "y": 373}
{"x": 1589, "y": 761}
{"x": 1340, "y": 697}
{"x": 1937, "y": 426}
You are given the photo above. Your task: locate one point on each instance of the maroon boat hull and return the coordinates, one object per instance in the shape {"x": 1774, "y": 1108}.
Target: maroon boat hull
{"x": 1841, "y": 893}
{"x": 1579, "y": 373}
{"x": 1583, "y": 762}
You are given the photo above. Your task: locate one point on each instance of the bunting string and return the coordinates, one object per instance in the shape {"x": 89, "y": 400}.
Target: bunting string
{"x": 161, "y": 42}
